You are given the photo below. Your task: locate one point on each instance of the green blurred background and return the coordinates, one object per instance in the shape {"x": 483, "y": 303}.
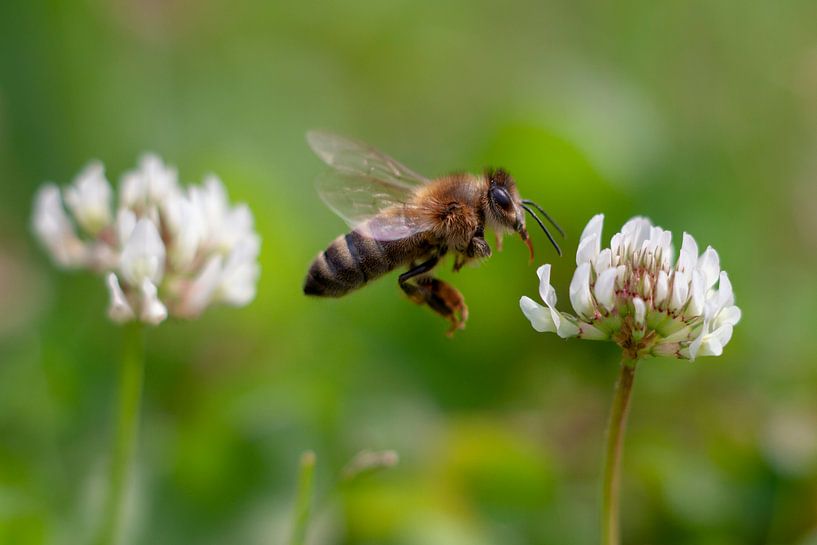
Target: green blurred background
{"x": 699, "y": 114}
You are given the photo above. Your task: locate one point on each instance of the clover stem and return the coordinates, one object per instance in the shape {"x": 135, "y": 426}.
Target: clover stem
{"x": 303, "y": 501}
{"x": 130, "y": 392}
{"x": 612, "y": 460}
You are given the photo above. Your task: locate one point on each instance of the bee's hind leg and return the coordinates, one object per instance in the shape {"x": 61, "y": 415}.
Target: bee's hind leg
{"x": 442, "y": 297}
{"x": 447, "y": 301}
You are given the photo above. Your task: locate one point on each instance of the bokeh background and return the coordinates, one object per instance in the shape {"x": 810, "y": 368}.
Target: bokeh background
{"x": 700, "y": 114}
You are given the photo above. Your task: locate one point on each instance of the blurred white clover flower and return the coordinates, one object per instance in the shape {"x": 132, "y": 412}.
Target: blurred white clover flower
{"x": 166, "y": 250}
{"x": 633, "y": 294}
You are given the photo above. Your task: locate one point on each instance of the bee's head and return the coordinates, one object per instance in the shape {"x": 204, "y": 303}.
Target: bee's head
{"x": 504, "y": 204}
{"x": 506, "y": 209}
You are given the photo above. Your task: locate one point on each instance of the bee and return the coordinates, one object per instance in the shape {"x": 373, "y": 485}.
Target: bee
{"x": 399, "y": 218}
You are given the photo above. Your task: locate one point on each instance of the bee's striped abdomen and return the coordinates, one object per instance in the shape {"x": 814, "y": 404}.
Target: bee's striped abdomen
{"x": 347, "y": 264}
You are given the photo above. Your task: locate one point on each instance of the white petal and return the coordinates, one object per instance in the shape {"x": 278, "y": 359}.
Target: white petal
{"x": 565, "y": 328}
{"x": 709, "y": 265}
{"x": 711, "y": 346}
{"x": 238, "y": 225}
{"x": 728, "y": 316}
{"x": 659, "y": 241}
{"x": 605, "y": 289}
{"x": 547, "y": 320}
{"x": 161, "y": 180}
{"x": 617, "y": 247}
{"x": 635, "y": 232}
{"x": 690, "y": 245}
{"x": 661, "y": 288}
{"x": 132, "y": 190}
{"x": 546, "y": 291}
{"x": 150, "y": 183}
{"x": 688, "y": 256}
{"x": 238, "y": 286}
{"x": 143, "y": 256}
{"x": 665, "y": 251}
{"x": 211, "y": 200}
{"x": 646, "y": 287}
{"x": 723, "y": 335}
{"x": 725, "y": 295}
{"x": 89, "y": 198}
{"x": 717, "y": 300}
{"x": 680, "y": 291}
{"x": 153, "y": 311}
{"x": 119, "y": 310}
{"x": 540, "y": 317}
{"x": 590, "y": 241}
{"x": 186, "y": 225}
{"x": 580, "y": 296}
{"x": 696, "y": 300}
{"x": 125, "y": 223}
{"x": 593, "y": 227}
{"x": 603, "y": 261}
{"x": 200, "y": 292}
{"x": 55, "y": 230}
{"x": 50, "y": 218}
{"x": 695, "y": 345}
{"x": 588, "y": 249}
{"x": 665, "y": 241}
{"x": 240, "y": 275}
{"x": 640, "y": 309}
{"x": 710, "y": 343}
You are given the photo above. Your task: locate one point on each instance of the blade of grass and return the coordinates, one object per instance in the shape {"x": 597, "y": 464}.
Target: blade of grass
{"x": 303, "y": 501}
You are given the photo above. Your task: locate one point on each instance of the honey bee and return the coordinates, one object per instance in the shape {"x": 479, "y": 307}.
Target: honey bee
{"x": 401, "y": 218}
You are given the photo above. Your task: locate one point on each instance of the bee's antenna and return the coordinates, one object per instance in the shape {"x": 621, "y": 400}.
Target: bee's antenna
{"x": 547, "y": 216}
{"x": 545, "y": 229}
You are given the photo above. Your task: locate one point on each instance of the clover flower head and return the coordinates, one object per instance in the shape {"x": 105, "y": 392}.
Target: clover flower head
{"x": 165, "y": 250}
{"x": 634, "y": 294}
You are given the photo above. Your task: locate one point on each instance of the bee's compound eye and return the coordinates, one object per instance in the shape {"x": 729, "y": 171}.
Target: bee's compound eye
{"x": 501, "y": 198}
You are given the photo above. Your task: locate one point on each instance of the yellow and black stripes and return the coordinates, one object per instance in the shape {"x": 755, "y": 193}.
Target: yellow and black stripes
{"x": 349, "y": 263}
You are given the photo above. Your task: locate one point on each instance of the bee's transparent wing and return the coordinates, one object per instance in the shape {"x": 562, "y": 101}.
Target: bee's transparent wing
{"x": 359, "y": 159}
{"x": 383, "y": 206}
{"x": 366, "y": 185}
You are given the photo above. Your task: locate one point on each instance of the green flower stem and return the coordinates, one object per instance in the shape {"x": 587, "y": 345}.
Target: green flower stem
{"x": 303, "y": 502}
{"x": 612, "y": 459}
{"x": 130, "y": 393}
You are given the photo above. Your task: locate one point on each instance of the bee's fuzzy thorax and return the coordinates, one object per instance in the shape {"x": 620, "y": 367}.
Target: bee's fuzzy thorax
{"x": 453, "y": 207}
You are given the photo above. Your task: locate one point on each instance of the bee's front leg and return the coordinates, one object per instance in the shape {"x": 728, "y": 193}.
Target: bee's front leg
{"x": 442, "y": 297}
{"x": 477, "y": 249}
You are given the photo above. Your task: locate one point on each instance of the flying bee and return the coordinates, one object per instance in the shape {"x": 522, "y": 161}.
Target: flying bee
{"x": 401, "y": 218}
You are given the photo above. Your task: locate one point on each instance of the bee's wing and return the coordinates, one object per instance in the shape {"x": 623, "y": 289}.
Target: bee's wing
{"x": 363, "y": 183}
{"x": 357, "y": 158}
{"x": 357, "y": 200}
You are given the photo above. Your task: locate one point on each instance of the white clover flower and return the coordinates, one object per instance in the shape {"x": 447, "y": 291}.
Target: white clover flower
{"x": 167, "y": 250}
{"x": 633, "y": 294}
